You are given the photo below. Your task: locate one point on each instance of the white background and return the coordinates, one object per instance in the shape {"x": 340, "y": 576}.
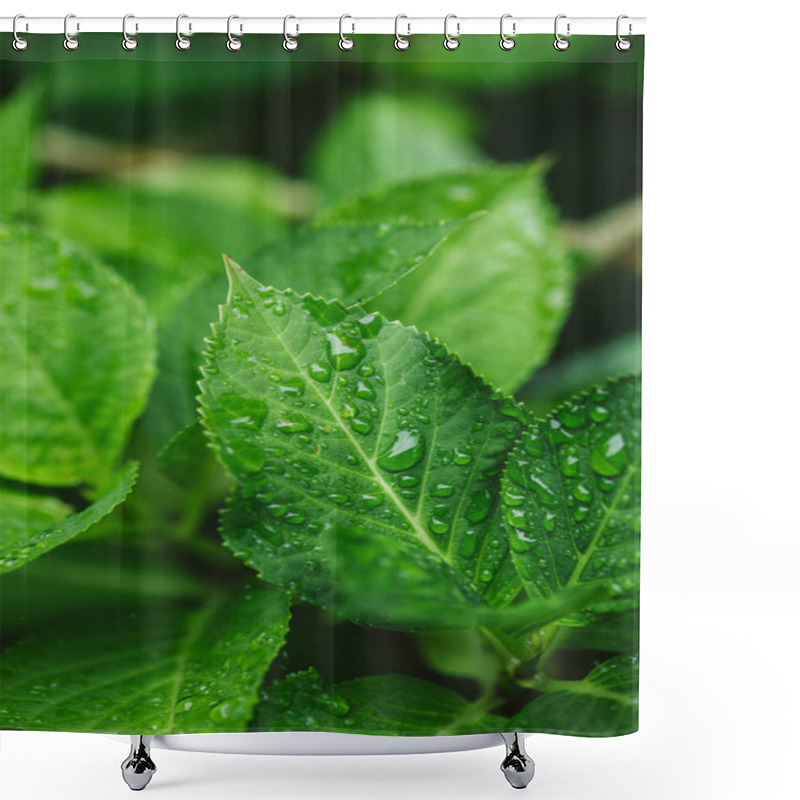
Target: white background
{"x": 720, "y": 698}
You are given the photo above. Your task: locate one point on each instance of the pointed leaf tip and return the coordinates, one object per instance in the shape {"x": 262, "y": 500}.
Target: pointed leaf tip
{"x": 231, "y": 267}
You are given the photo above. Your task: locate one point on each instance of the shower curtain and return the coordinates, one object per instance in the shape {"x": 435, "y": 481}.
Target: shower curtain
{"x": 320, "y": 386}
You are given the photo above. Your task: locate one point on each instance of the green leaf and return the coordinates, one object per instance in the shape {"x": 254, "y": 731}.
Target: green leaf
{"x": 77, "y": 362}
{"x": 604, "y": 703}
{"x": 391, "y": 705}
{"x": 26, "y": 534}
{"x": 19, "y": 117}
{"x": 392, "y": 583}
{"x": 351, "y": 262}
{"x": 22, "y": 514}
{"x": 325, "y": 416}
{"x": 498, "y": 291}
{"x": 571, "y": 493}
{"x": 173, "y": 405}
{"x": 185, "y": 454}
{"x": 612, "y": 632}
{"x": 180, "y": 670}
{"x": 394, "y": 138}
{"x": 165, "y": 228}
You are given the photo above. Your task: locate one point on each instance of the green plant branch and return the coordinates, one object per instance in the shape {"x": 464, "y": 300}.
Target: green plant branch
{"x": 608, "y": 236}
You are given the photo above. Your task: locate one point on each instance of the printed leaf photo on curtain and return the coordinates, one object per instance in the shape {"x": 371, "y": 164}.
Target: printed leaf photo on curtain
{"x": 320, "y": 386}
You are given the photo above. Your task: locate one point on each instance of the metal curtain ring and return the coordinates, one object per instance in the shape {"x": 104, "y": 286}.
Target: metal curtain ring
{"x": 560, "y": 43}
{"x": 623, "y": 44}
{"x": 506, "y": 42}
{"x": 401, "y": 42}
{"x": 451, "y": 42}
{"x": 345, "y": 42}
{"x": 19, "y": 43}
{"x": 234, "y": 44}
{"x": 128, "y": 42}
{"x": 289, "y": 43}
{"x": 70, "y": 42}
{"x": 182, "y": 43}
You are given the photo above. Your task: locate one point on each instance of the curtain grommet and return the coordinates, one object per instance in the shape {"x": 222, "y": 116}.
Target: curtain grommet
{"x": 290, "y": 43}
{"x": 451, "y": 42}
{"x": 345, "y": 42}
{"x": 128, "y": 42}
{"x": 19, "y": 43}
{"x": 622, "y": 44}
{"x": 506, "y": 41}
{"x": 70, "y": 42}
{"x": 234, "y": 44}
{"x": 560, "y": 43}
{"x": 182, "y": 42}
{"x": 401, "y": 42}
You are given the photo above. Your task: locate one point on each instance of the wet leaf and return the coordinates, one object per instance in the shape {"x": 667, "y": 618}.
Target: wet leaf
{"x": 326, "y": 416}
{"x": 571, "y": 495}
{"x": 391, "y": 583}
{"x": 178, "y": 670}
{"x": 33, "y": 524}
{"x": 398, "y": 705}
{"x": 77, "y": 362}
{"x": 604, "y": 703}
{"x": 164, "y": 227}
{"x": 498, "y": 291}
{"x": 185, "y": 455}
{"x": 349, "y": 262}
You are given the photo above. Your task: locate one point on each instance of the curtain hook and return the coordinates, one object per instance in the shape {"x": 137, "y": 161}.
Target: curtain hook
{"x": 561, "y": 43}
{"x": 345, "y": 42}
{"x": 182, "y": 43}
{"x": 234, "y": 44}
{"x": 19, "y": 43}
{"x": 289, "y": 42}
{"x": 623, "y": 44}
{"x": 506, "y": 42}
{"x": 451, "y": 42}
{"x": 401, "y": 42}
{"x": 70, "y": 42}
{"x": 128, "y": 42}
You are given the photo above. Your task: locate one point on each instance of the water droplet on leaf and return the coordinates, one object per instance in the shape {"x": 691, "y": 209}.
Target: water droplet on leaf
{"x": 292, "y": 422}
{"x": 461, "y": 458}
{"x": 344, "y": 351}
{"x": 608, "y": 456}
{"x": 406, "y": 451}
{"x": 319, "y": 372}
{"x": 480, "y": 506}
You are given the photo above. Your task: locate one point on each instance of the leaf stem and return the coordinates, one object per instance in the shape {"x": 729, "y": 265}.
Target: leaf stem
{"x": 553, "y": 635}
{"x": 511, "y": 653}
